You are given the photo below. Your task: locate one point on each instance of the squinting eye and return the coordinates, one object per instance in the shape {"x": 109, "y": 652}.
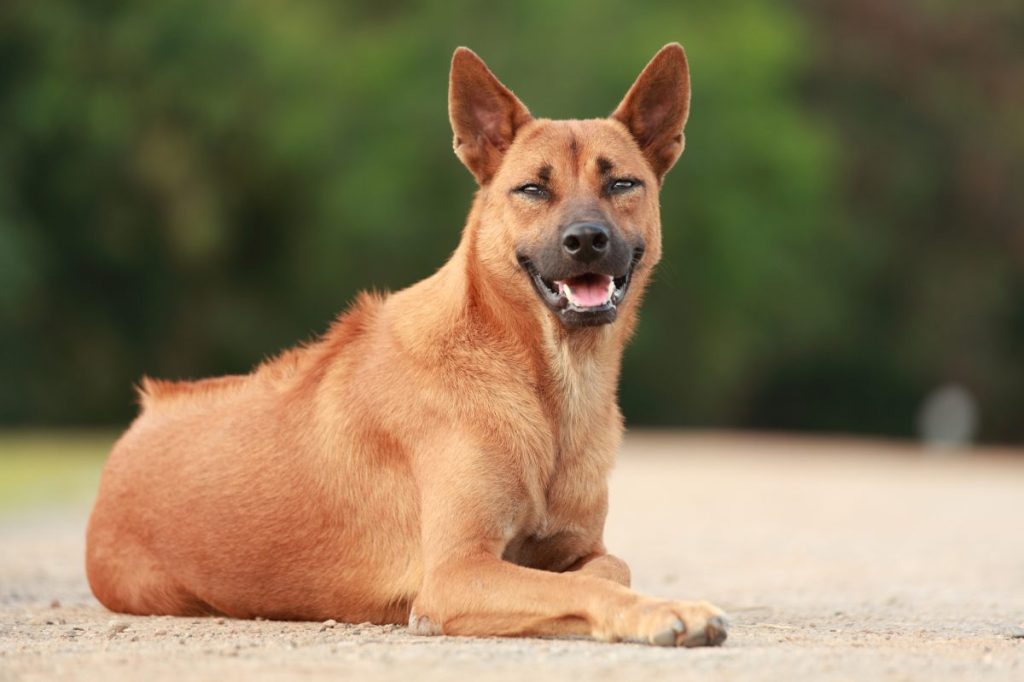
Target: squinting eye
{"x": 532, "y": 190}
{"x": 622, "y": 185}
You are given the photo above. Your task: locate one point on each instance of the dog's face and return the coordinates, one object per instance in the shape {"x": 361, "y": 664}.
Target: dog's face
{"x": 568, "y": 213}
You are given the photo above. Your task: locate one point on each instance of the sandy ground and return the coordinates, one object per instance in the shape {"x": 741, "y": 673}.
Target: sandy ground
{"x": 836, "y": 560}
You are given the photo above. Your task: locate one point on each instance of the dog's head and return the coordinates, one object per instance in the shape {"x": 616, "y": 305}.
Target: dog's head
{"x": 568, "y": 210}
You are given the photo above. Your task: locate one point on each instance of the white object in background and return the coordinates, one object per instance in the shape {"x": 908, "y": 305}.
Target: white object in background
{"x": 948, "y": 418}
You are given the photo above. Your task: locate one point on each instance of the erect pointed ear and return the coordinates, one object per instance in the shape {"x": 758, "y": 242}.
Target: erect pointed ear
{"x": 656, "y": 107}
{"x": 485, "y": 115}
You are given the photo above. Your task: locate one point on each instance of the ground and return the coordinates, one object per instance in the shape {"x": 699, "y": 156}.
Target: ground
{"x": 836, "y": 560}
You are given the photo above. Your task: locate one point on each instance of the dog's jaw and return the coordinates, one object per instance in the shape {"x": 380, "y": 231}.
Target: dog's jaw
{"x": 587, "y": 300}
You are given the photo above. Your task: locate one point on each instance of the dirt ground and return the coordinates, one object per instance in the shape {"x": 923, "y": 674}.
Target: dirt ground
{"x": 837, "y": 560}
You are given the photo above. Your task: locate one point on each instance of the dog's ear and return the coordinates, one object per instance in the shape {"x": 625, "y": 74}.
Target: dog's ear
{"x": 656, "y": 107}
{"x": 485, "y": 115}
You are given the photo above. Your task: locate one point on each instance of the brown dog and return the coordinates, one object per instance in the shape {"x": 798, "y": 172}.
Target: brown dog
{"x": 441, "y": 455}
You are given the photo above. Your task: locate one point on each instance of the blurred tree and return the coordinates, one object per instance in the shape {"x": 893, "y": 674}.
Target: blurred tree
{"x": 925, "y": 98}
{"x": 186, "y": 187}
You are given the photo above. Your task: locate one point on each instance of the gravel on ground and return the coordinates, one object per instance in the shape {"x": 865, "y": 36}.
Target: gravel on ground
{"x": 836, "y": 559}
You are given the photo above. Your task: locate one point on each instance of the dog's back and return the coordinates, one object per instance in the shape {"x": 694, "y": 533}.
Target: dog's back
{"x": 213, "y": 501}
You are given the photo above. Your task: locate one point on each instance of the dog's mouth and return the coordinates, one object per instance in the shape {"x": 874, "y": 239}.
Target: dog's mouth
{"x": 584, "y": 300}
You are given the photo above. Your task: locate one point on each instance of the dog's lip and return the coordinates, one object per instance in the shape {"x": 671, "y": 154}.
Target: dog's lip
{"x": 552, "y": 291}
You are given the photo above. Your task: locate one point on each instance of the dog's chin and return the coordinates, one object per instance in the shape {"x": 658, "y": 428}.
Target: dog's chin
{"x": 590, "y": 299}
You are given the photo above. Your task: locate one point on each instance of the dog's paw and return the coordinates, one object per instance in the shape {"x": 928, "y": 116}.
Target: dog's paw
{"x": 676, "y": 623}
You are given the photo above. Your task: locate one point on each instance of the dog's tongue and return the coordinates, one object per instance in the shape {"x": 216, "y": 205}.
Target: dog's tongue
{"x": 588, "y": 291}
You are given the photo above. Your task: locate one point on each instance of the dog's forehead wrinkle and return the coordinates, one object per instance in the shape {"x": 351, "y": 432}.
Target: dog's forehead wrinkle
{"x": 578, "y": 149}
{"x": 574, "y": 153}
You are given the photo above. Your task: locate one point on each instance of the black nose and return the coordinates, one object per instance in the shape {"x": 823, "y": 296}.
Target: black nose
{"x": 586, "y": 242}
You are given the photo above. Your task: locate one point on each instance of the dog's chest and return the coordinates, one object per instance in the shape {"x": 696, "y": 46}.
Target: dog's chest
{"x": 561, "y": 523}
{"x": 561, "y": 517}
{"x": 564, "y": 515}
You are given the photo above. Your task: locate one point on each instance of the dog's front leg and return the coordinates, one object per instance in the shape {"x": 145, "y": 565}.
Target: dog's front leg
{"x": 479, "y": 594}
{"x": 468, "y": 506}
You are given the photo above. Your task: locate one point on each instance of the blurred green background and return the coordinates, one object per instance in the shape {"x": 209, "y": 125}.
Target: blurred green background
{"x": 187, "y": 187}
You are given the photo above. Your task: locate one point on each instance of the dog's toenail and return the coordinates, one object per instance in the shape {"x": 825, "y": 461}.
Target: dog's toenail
{"x": 665, "y": 638}
{"x": 717, "y": 630}
{"x": 671, "y": 636}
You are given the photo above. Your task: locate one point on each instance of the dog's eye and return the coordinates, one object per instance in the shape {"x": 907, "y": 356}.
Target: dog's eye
{"x": 622, "y": 185}
{"x": 532, "y": 190}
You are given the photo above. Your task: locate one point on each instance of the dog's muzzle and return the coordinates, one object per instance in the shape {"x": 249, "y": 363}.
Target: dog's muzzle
{"x": 587, "y": 298}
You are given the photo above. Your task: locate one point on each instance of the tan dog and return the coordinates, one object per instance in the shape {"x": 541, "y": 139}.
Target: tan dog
{"x": 440, "y": 456}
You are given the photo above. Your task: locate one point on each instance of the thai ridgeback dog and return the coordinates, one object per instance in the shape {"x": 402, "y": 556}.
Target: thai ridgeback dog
{"x": 440, "y": 456}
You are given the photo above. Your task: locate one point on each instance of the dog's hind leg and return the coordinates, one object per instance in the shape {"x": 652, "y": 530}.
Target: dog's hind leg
{"x": 126, "y": 577}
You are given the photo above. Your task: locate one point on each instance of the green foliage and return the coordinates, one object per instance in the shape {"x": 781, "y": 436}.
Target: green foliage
{"x": 187, "y": 186}
{"x": 39, "y": 469}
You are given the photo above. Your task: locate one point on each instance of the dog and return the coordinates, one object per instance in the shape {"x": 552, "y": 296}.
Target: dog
{"x": 439, "y": 457}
